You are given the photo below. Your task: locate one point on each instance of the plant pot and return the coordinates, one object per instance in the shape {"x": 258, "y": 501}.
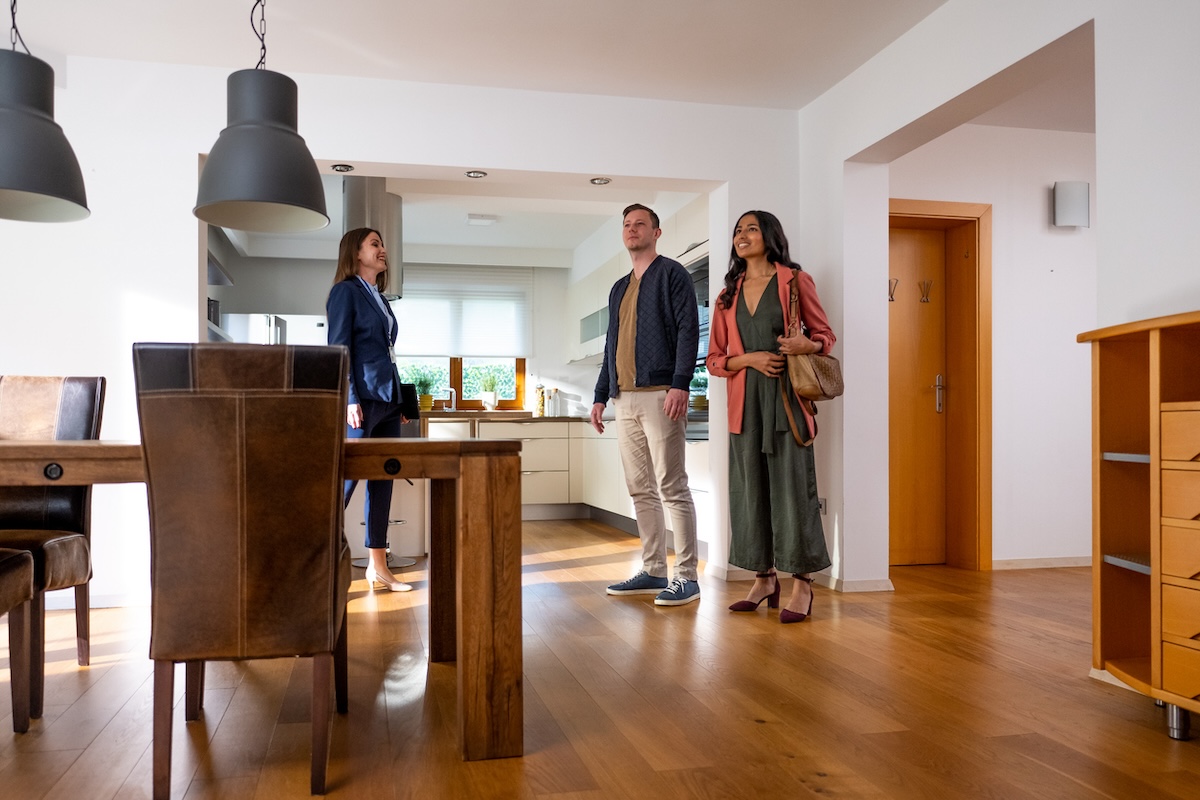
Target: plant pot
{"x": 489, "y": 400}
{"x": 425, "y": 402}
{"x": 698, "y": 402}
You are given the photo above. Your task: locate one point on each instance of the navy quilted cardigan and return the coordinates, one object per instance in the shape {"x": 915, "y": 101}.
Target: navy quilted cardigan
{"x": 668, "y": 330}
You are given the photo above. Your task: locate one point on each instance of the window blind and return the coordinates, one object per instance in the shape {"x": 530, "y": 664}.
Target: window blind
{"x": 465, "y": 311}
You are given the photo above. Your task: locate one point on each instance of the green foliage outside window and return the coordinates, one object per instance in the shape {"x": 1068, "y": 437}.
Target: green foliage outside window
{"x": 489, "y": 375}
{"x": 429, "y": 378}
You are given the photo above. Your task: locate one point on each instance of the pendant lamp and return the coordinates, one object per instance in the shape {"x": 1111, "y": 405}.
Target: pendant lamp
{"x": 40, "y": 180}
{"x": 260, "y": 175}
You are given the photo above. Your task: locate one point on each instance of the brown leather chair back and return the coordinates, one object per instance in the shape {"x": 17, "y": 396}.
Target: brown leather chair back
{"x": 243, "y": 451}
{"x": 47, "y": 408}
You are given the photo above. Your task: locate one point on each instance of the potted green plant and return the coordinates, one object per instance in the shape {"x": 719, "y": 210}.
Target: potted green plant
{"x": 699, "y": 391}
{"x": 487, "y": 390}
{"x": 424, "y": 379}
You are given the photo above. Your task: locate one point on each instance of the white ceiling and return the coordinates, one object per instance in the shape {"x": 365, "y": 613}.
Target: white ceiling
{"x": 761, "y": 53}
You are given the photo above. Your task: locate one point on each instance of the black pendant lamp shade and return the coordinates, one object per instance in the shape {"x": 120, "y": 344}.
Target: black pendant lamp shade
{"x": 40, "y": 179}
{"x": 260, "y": 175}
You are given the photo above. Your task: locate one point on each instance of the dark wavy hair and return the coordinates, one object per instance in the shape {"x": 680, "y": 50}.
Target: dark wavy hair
{"x": 347, "y": 266}
{"x": 775, "y": 243}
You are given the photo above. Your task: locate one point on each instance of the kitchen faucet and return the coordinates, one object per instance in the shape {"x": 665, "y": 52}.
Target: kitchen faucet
{"x": 453, "y": 399}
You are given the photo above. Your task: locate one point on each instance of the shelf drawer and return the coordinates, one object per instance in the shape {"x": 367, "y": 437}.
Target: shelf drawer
{"x": 1180, "y": 552}
{"x": 1180, "y": 494}
{"x": 1180, "y": 611}
{"x": 1181, "y": 435}
{"x": 545, "y": 455}
{"x": 545, "y": 487}
{"x": 523, "y": 430}
{"x": 1181, "y": 670}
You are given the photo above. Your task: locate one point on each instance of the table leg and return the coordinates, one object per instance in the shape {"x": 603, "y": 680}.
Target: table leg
{"x": 490, "y": 694}
{"x": 443, "y": 520}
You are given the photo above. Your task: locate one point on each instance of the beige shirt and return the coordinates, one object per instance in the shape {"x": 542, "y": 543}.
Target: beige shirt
{"x": 627, "y": 341}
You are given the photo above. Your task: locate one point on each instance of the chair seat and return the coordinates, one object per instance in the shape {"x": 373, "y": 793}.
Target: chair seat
{"x": 16, "y": 578}
{"x": 61, "y": 559}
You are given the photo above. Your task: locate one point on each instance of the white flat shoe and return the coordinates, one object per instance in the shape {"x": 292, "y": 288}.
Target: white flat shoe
{"x": 390, "y": 582}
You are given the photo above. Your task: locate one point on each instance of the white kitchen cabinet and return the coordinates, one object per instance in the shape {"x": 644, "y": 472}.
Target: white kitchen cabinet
{"x": 545, "y": 457}
{"x": 407, "y": 522}
{"x": 448, "y": 429}
{"x": 575, "y": 460}
{"x": 603, "y": 478}
{"x": 696, "y": 463}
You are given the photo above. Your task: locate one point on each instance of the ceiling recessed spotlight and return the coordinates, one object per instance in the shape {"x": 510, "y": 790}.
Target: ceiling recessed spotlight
{"x": 342, "y": 168}
{"x": 601, "y": 181}
{"x": 476, "y": 173}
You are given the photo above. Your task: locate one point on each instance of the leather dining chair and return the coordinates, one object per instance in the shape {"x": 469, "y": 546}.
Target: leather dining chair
{"x": 52, "y": 522}
{"x": 16, "y": 592}
{"x": 243, "y": 456}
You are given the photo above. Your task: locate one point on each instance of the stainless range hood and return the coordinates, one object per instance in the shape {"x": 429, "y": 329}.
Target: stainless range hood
{"x": 366, "y": 203}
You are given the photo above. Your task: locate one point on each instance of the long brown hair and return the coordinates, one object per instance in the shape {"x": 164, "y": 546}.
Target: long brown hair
{"x": 774, "y": 242}
{"x": 347, "y": 266}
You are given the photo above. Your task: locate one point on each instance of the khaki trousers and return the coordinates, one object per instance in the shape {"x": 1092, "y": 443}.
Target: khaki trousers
{"x": 652, "y": 453}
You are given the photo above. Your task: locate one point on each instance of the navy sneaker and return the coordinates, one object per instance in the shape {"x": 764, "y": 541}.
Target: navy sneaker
{"x": 642, "y": 583}
{"x": 679, "y": 593}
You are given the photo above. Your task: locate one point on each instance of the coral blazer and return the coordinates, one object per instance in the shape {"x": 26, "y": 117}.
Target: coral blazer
{"x": 725, "y": 341}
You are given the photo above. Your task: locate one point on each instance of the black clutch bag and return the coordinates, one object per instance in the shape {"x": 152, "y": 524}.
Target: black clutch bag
{"x": 408, "y": 402}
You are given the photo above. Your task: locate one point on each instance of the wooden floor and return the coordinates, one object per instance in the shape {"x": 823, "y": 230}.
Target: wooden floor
{"x": 957, "y": 685}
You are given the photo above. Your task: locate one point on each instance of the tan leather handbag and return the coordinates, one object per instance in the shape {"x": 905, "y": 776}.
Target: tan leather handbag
{"x": 814, "y": 376}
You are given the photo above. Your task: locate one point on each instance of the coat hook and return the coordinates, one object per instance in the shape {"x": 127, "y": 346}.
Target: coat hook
{"x": 892, "y": 282}
{"x": 925, "y": 287}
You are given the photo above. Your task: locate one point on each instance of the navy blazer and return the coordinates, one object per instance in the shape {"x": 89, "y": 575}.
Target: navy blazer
{"x": 356, "y": 321}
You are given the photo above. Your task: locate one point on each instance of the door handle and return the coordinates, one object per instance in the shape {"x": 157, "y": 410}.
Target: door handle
{"x": 939, "y": 393}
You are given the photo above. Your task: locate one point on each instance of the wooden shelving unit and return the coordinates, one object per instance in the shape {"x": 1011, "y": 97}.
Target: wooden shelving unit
{"x": 1146, "y": 509}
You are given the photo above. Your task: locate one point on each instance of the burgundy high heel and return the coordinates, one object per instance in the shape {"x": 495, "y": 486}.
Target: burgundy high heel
{"x": 786, "y": 616}
{"x": 772, "y": 599}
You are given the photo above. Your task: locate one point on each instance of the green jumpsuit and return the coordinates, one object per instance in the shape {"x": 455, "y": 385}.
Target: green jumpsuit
{"x": 773, "y": 506}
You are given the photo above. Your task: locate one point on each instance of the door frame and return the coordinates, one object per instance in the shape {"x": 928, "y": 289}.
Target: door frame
{"x": 969, "y": 354}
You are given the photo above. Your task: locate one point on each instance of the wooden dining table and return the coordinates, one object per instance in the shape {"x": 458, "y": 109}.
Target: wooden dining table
{"x": 474, "y": 558}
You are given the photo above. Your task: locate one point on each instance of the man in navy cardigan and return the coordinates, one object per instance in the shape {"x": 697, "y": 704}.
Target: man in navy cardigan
{"x": 649, "y": 357}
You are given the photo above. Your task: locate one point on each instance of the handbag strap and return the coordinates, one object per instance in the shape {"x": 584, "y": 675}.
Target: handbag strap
{"x": 793, "y": 329}
{"x": 787, "y": 409}
{"x": 794, "y": 303}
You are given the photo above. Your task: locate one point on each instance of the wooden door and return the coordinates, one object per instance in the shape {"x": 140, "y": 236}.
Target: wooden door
{"x": 917, "y": 419}
{"x": 958, "y": 236}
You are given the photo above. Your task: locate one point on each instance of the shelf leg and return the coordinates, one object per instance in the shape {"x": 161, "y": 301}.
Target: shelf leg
{"x": 1179, "y": 722}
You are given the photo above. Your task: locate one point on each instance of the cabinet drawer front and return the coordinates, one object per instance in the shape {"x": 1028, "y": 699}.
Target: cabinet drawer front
{"x": 1180, "y": 611}
{"x": 1181, "y": 552}
{"x": 1181, "y": 670}
{"x": 453, "y": 429}
{"x": 545, "y": 455}
{"x": 1180, "y": 494}
{"x": 545, "y": 487}
{"x": 522, "y": 430}
{"x": 1181, "y": 435}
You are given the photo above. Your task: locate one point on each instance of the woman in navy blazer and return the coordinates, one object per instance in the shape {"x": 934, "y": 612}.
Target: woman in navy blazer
{"x": 359, "y": 318}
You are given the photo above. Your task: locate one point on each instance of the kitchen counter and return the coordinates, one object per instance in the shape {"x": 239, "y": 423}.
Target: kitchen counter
{"x": 463, "y": 423}
{"x": 512, "y": 416}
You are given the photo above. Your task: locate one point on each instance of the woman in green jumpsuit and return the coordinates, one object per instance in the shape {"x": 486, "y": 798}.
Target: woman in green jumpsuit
{"x": 773, "y": 507}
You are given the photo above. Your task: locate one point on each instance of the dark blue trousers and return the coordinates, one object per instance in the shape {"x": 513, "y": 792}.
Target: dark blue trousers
{"x": 380, "y": 421}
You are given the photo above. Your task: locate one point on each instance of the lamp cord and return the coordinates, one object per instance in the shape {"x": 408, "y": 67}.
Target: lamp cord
{"x": 14, "y": 35}
{"x": 260, "y": 30}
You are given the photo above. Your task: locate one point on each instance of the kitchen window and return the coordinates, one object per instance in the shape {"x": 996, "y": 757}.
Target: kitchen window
{"x": 478, "y": 318}
{"x": 466, "y": 377}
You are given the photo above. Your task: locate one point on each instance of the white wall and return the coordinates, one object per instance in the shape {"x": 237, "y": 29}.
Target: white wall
{"x": 1146, "y": 103}
{"x": 76, "y": 297}
{"x": 1043, "y": 294}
